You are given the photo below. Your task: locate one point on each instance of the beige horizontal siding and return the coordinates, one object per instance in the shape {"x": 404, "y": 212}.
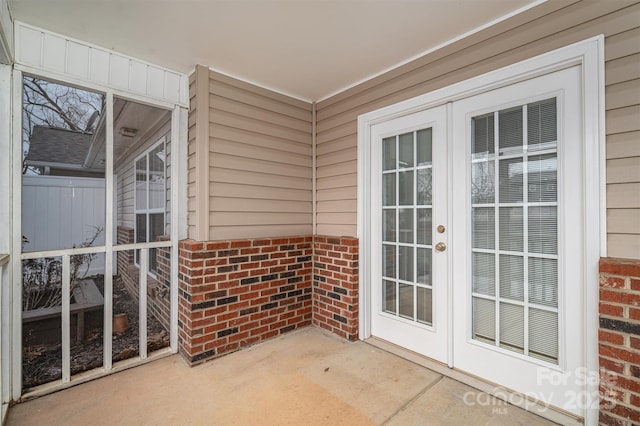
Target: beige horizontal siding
{"x": 249, "y": 192}
{"x": 546, "y": 27}
{"x": 260, "y": 162}
{"x": 623, "y": 221}
{"x": 623, "y": 145}
{"x": 623, "y": 170}
{"x": 233, "y": 232}
{"x": 259, "y": 180}
{"x": 623, "y": 94}
{"x": 243, "y": 218}
{"x": 623, "y": 246}
{"x": 624, "y": 195}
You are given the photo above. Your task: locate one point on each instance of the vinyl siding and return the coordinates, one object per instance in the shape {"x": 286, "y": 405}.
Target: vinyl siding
{"x": 259, "y": 165}
{"x": 125, "y": 175}
{"x": 549, "y": 26}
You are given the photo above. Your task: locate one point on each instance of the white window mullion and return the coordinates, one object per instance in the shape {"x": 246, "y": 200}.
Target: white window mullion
{"x": 414, "y": 214}
{"x": 496, "y": 218}
{"x": 397, "y": 239}
{"x": 525, "y": 225}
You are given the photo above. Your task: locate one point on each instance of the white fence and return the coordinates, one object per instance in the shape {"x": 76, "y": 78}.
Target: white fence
{"x": 60, "y": 212}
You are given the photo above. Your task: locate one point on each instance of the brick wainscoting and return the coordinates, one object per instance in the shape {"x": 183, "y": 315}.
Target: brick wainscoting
{"x": 236, "y": 293}
{"x": 335, "y": 285}
{"x": 619, "y": 341}
{"x": 158, "y": 288}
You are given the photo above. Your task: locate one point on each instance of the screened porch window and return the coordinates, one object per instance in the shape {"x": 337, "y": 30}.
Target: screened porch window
{"x": 150, "y": 194}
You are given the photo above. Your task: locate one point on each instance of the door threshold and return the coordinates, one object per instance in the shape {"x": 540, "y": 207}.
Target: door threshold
{"x": 517, "y": 399}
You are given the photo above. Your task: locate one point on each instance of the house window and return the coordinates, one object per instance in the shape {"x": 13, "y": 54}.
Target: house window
{"x": 150, "y": 199}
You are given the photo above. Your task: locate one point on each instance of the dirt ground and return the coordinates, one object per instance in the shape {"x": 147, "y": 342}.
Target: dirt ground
{"x": 43, "y": 363}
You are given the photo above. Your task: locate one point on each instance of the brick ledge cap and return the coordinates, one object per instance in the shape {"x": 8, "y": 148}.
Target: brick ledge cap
{"x": 617, "y": 266}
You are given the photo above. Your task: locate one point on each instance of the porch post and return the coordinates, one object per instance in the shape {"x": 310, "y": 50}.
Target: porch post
{"x": 5, "y": 237}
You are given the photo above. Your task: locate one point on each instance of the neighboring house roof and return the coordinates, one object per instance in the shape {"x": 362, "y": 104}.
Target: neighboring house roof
{"x": 52, "y": 146}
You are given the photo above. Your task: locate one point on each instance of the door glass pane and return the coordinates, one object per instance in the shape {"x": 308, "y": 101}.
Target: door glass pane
{"x": 511, "y": 229}
{"x": 405, "y": 260}
{"x": 543, "y": 335}
{"x": 543, "y": 281}
{"x": 405, "y": 299}
{"x": 389, "y": 225}
{"x": 511, "y": 277}
{"x": 482, "y": 128}
{"x": 541, "y": 124}
{"x": 484, "y": 320}
{"x": 425, "y": 306}
{"x": 542, "y": 178}
{"x": 424, "y": 226}
{"x": 483, "y": 182}
{"x": 510, "y": 185}
{"x": 510, "y": 131}
{"x": 389, "y": 296}
{"x": 512, "y": 327}
{"x": 523, "y": 211}
{"x": 543, "y": 230}
{"x": 407, "y": 228}
{"x": 424, "y": 266}
{"x": 484, "y": 228}
{"x": 423, "y": 146}
{"x": 425, "y": 190}
{"x": 389, "y": 153}
{"x": 389, "y": 261}
{"x": 389, "y": 190}
{"x": 405, "y": 188}
{"x": 484, "y": 273}
{"x": 405, "y": 147}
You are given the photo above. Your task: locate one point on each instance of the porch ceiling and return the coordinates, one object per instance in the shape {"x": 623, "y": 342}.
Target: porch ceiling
{"x": 309, "y": 49}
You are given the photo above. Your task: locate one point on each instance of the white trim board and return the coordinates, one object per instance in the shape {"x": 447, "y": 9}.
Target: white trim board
{"x": 67, "y": 58}
{"x": 589, "y": 55}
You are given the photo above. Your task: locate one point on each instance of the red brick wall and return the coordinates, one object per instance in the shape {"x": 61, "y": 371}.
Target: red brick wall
{"x": 236, "y": 293}
{"x": 619, "y": 341}
{"x": 335, "y": 285}
{"x": 159, "y": 289}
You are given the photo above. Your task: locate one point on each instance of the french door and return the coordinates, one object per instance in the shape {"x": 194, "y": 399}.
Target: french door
{"x": 476, "y": 236}
{"x": 410, "y": 299}
{"x": 517, "y": 246}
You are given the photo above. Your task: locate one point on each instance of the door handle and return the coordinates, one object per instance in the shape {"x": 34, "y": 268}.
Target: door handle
{"x": 441, "y": 246}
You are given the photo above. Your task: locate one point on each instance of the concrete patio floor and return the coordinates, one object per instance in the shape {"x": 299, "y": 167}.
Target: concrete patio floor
{"x": 307, "y": 377}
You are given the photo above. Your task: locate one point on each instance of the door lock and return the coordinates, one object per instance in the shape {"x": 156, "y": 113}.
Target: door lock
{"x": 441, "y": 246}
{"x": 440, "y": 229}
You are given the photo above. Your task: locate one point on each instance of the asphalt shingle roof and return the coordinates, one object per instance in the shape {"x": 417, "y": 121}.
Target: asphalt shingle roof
{"x": 58, "y": 146}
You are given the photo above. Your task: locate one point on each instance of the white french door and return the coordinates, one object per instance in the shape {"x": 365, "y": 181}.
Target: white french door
{"x": 409, "y": 158}
{"x": 483, "y": 226}
{"x": 517, "y": 241}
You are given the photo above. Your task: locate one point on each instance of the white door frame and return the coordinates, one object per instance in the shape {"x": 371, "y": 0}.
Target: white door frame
{"x": 589, "y": 55}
